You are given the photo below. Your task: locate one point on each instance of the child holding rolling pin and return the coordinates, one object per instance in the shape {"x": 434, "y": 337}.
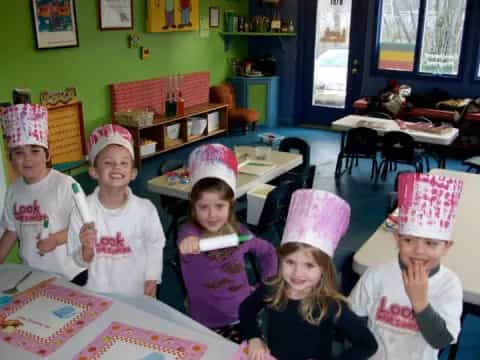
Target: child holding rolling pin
{"x": 116, "y": 234}
{"x": 213, "y": 245}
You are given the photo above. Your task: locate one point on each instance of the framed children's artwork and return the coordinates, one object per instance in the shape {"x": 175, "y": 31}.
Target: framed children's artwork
{"x": 115, "y": 14}
{"x": 172, "y": 15}
{"x": 213, "y": 17}
{"x": 55, "y": 23}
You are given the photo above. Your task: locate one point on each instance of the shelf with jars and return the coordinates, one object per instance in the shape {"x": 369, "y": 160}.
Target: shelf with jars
{"x": 257, "y": 26}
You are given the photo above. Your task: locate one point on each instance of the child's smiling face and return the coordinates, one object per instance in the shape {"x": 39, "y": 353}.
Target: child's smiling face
{"x": 423, "y": 251}
{"x": 113, "y": 167}
{"x": 301, "y": 272}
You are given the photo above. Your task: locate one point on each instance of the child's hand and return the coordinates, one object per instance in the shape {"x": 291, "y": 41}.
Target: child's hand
{"x": 415, "y": 279}
{"x": 46, "y": 245}
{"x": 257, "y": 349}
{"x": 190, "y": 245}
{"x": 88, "y": 239}
{"x": 150, "y": 288}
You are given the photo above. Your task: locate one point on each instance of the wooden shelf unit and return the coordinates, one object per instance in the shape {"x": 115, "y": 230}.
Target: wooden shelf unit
{"x": 157, "y": 131}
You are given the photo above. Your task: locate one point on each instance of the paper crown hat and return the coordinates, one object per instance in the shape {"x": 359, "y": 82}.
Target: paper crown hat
{"x": 106, "y": 135}
{"x": 317, "y": 218}
{"x": 25, "y": 124}
{"x": 428, "y": 205}
{"x": 215, "y": 161}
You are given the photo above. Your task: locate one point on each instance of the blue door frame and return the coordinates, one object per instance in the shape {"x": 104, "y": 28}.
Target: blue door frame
{"x": 320, "y": 115}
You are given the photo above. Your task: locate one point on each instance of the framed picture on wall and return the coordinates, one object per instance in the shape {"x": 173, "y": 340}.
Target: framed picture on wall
{"x": 115, "y": 14}
{"x": 214, "y": 17}
{"x": 55, "y": 23}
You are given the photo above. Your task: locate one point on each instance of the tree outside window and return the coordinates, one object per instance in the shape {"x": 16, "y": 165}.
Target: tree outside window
{"x": 441, "y": 22}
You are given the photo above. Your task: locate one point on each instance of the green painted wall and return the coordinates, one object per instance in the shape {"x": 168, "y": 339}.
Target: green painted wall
{"x": 103, "y": 57}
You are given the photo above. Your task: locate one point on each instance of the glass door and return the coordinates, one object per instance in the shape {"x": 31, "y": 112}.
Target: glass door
{"x": 333, "y": 56}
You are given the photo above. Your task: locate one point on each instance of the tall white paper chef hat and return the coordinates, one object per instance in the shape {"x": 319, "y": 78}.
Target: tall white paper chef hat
{"x": 214, "y": 161}
{"x": 25, "y": 124}
{"x": 106, "y": 135}
{"x": 428, "y": 205}
{"x": 317, "y": 218}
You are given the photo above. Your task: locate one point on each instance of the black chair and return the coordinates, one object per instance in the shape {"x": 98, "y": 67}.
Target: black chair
{"x": 274, "y": 213}
{"x": 361, "y": 143}
{"x": 392, "y": 202}
{"x": 473, "y": 164}
{"x": 424, "y": 149}
{"x": 398, "y": 147}
{"x": 304, "y": 170}
{"x": 379, "y": 114}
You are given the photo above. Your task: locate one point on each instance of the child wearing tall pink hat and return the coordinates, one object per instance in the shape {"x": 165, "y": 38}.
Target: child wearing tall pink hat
{"x": 302, "y": 304}
{"x": 216, "y": 281}
{"x": 39, "y": 202}
{"x": 123, "y": 246}
{"x": 414, "y": 303}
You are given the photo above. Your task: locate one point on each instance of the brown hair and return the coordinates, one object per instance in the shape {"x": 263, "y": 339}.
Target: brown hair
{"x": 211, "y": 184}
{"x": 314, "y": 307}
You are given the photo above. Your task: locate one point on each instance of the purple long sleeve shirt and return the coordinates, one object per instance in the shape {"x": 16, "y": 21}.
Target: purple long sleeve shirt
{"x": 216, "y": 281}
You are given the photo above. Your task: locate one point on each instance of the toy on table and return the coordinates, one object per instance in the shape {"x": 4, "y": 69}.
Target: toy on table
{"x": 391, "y": 222}
{"x": 81, "y": 202}
{"x": 221, "y": 242}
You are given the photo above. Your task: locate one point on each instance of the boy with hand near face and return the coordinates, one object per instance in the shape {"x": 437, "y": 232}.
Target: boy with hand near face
{"x": 414, "y": 304}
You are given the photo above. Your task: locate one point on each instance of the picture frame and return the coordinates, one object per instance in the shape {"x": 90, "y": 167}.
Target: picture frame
{"x": 115, "y": 14}
{"x": 55, "y": 24}
{"x": 214, "y": 17}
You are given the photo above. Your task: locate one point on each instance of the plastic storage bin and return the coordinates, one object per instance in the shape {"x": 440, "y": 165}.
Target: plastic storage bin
{"x": 255, "y": 201}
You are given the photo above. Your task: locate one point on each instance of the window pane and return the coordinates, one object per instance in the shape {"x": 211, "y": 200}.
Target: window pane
{"x": 331, "y": 53}
{"x": 442, "y": 36}
{"x": 398, "y": 33}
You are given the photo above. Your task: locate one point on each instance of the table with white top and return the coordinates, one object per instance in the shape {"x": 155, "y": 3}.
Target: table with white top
{"x": 282, "y": 162}
{"x": 145, "y": 313}
{"x": 462, "y": 258}
{"x": 382, "y": 126}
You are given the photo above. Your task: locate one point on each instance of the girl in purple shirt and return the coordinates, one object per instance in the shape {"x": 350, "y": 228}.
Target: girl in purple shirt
{"x": 216, "y": 281}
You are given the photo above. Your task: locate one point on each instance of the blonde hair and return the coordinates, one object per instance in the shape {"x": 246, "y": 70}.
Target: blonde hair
{"x": 215, "y": 185}
{"x": 314, "y": 307}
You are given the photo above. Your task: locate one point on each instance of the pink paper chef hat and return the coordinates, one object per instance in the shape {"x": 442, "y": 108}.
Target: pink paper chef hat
{"x": 25, "y": 124}
{"x": 213, "y": 160}
{"x": 107, "y": 135}
{"x": 317, "y": 218}
{"x": 428, "y": 205}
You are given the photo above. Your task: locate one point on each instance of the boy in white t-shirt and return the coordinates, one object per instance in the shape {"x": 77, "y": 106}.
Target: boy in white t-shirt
{"x": 40, "y": 197}
{"x": 414, "y": 304}
{"x": 123, "y": 248}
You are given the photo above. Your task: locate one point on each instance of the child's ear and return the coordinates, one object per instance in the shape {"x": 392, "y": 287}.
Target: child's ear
{"x": 93, "y": 173}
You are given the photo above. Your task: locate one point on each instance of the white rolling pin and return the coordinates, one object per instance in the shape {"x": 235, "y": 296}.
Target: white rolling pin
{"x": 81, "y": 201}
{"x": 44, "y": 234}
{"x": 221, "y": 242}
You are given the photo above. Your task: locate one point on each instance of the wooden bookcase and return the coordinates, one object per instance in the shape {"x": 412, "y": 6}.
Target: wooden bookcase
{"x": 157, "y": 131}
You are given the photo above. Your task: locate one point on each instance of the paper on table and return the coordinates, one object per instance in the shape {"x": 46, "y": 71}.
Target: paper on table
{"x": 9, "y": 277}
{"x": 256, "y": 167}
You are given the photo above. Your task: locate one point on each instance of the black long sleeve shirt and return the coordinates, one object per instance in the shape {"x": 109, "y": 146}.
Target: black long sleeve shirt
{"x": 289, "y": 337}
